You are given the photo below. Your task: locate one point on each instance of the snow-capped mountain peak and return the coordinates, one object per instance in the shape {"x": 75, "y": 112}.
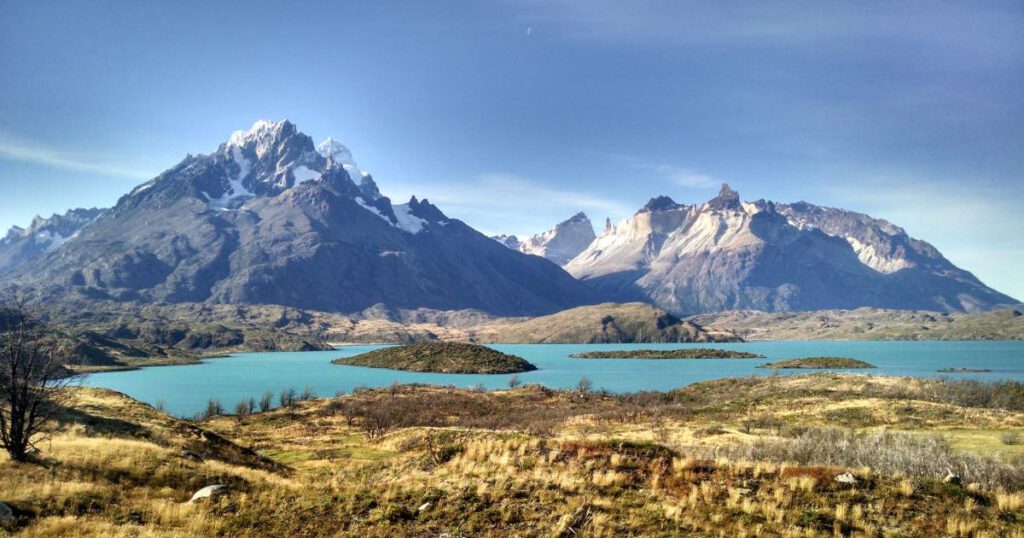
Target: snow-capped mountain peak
{"x": 333, "y": 149}
{"x": 559, "y": 244}
{"x": 262, "y": 135}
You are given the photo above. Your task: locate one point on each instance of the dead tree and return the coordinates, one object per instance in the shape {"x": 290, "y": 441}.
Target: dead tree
{"x": 33, "y": 376}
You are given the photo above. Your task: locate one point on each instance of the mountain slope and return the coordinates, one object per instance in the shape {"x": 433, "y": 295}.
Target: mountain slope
{"x": 725, "y": 254}
{"x": 21, "y": 245}
{"x": 269, "y": 219}
{"x": 559, "y": 244}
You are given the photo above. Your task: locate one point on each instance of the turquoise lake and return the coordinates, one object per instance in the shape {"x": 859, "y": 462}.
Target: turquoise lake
{"x": 184, "y": 390}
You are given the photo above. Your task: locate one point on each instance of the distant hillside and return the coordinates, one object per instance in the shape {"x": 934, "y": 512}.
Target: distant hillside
{"x": 116, "y": 336}
{"x": 869, "y": 324}
{"x": 609, "y": 322}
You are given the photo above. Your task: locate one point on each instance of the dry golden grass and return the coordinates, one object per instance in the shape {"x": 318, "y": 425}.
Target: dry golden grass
{"x": 115, "y": 469}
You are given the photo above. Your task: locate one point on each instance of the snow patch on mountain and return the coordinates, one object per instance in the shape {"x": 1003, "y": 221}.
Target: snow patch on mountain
{"x": 372, "y": 209}
{"x": 406, "y": 220}
{"x": 236, "y": 192}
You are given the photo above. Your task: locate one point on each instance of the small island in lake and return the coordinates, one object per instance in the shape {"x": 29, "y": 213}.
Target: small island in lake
{"x": 441, "y": 358}
{"x": 699, "y": 353}
{"x": 963, "y": 370}
{"x": 818, "y": 362}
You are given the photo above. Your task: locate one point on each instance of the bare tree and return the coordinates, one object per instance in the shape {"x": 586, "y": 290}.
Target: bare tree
{"x": 265, "y": 401}
{"x": 32, "y": 377}
{"x": 584, "y": 386}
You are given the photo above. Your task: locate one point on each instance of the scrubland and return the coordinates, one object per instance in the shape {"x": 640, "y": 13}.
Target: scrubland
{"x": 814, "y": 455}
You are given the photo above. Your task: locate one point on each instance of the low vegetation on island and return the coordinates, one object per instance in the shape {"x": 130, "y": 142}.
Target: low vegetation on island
{"x": 963, "y": 370}
{"x": 442, "y": 358}
{"x": 699, "y": 353}
{"x": 818, "y": 363}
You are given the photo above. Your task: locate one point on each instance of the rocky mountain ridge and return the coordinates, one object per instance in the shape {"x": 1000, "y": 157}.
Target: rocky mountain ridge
{"x": 725, "y": 254}
{"x": 42, "y": 236}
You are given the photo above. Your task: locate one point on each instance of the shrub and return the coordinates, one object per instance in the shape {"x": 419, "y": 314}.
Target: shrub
{"x": 891, "y": 453}
{"x": 245, "y": 407}
{"x": 585, "y": 385}
{"x": 288, "y": 397}
{"x": 213, "y": 408}
{"x": 1010, "y": 438}
{"x": 266, "y": 401}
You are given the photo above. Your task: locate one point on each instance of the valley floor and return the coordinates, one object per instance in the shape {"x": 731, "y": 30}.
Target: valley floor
{"x": 733, "y": 457}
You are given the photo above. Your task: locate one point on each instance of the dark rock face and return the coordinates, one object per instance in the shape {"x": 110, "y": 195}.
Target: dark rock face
{"x": 266, "y": 219}
{"x": 726, "y": 199}
{"x": 658, "y": 203}
{"x": 727, "y": 255}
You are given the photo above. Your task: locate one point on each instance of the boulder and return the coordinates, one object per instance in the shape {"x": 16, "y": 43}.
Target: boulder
{"x": 6, "y": 514}
{"x": 846, "y": 478}
{"x": 209, "y": 492}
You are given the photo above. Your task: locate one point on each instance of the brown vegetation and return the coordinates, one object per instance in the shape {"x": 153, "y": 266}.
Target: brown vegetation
{"x": 750, "y": 456}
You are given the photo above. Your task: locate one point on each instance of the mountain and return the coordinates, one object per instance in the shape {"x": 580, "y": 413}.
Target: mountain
{"x": 509, "y": 241}
{"x": 559, "y": 244}
{"x": 44, "y": 235}
{"x": 726, "y": 254}
{"x": 270, "y": 218}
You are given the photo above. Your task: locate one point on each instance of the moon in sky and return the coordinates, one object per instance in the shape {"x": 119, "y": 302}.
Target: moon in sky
{"x": 529, "y": 30}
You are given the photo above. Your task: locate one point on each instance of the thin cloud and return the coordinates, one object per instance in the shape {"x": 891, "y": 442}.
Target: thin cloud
{"x": 680, "y": 175}
{"x": 508, "y": 203}
{"x": 663, "y": 22}
{"x": 16, "y": 150}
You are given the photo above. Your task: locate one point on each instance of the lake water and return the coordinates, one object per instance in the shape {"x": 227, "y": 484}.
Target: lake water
{"x": 184, "y": 390}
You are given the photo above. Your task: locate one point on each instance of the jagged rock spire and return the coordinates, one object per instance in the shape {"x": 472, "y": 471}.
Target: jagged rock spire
{"x": 726, "y": 199}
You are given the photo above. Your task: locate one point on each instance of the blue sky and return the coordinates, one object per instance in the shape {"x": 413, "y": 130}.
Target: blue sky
{"x": 514, "y": 114}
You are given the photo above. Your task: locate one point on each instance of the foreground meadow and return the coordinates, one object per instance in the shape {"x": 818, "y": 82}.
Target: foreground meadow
{"x": 812, "y": 455}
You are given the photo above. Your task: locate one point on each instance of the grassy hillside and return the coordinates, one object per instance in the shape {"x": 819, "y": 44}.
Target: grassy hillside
{"x": 441, "y": 357}
{"x": 604, "y": 323}
{"x": 813, "y": 455}
{"x": 869, "y": 324}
